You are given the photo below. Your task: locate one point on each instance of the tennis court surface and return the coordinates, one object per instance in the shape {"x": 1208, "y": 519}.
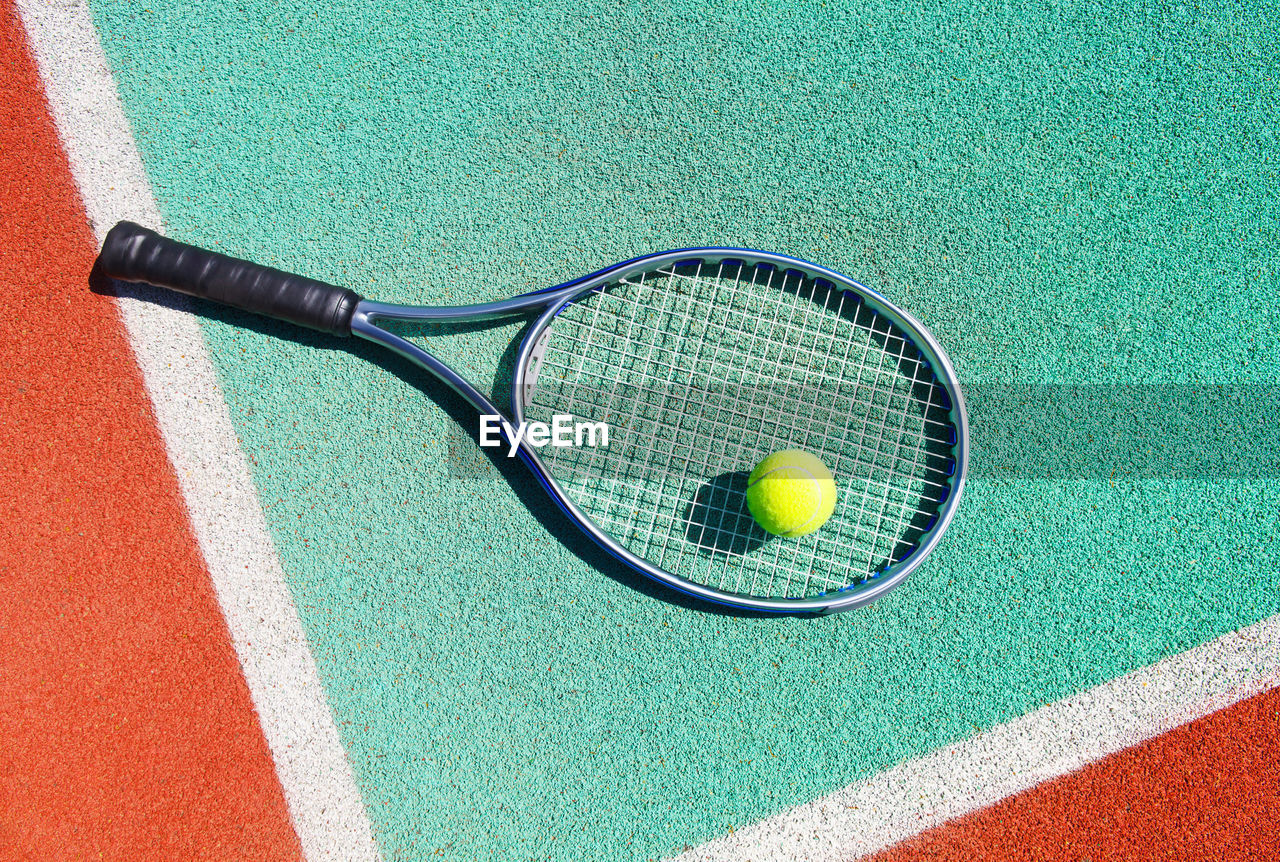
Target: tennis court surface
{"x": 262, "y": 598}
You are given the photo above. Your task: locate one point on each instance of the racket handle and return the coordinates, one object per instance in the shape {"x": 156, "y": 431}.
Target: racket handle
{"x": 133, "y": 253}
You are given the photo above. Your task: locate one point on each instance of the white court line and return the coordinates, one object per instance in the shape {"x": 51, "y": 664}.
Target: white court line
{"x": 319, "y": 788}
{"x": 1054, "y": 740}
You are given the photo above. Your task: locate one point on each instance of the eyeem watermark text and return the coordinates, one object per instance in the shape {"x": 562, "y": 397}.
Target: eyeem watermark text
{"x": 564, "y": 430}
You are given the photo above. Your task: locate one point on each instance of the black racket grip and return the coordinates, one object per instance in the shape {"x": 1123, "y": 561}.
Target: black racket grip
{"x": 133, "y": 253}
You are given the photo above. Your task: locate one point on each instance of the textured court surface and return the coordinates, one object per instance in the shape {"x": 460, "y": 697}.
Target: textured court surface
{"x": 1064, "y": 198}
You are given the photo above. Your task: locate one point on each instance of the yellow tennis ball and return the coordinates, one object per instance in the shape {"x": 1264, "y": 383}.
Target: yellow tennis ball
{"x": 791, "y": 493}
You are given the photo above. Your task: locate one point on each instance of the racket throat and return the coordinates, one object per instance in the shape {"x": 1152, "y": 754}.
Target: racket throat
{"x": 362, "y": 326}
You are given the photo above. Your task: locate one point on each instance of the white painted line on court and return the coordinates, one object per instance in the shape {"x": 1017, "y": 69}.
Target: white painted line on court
{"x": 1053, "y": 741}
{"x": 319, "y": 787}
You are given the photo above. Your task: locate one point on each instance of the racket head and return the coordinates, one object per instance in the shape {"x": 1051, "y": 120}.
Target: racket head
{"x": 702, "y": 362}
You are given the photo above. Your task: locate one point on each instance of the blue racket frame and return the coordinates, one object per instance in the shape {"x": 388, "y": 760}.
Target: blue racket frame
{"x": 552, "y": 300}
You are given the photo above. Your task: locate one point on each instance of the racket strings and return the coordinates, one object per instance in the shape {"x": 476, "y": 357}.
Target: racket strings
{"x": 783, "y": 397}
{"x": 702, "y": 371}
{"x": 725, "y": 512}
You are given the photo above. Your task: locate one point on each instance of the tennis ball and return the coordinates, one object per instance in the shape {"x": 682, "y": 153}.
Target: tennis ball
{"x": 791, "y": 493}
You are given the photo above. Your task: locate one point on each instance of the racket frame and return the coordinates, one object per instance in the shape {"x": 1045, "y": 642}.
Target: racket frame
{"x": 552, "y": 300}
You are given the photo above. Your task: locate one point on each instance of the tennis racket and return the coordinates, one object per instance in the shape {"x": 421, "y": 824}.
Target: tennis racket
{"x": 699, "y": 363}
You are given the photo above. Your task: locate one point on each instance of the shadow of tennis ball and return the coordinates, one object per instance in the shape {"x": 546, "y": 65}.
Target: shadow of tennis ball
{"x": 718, "y": 521}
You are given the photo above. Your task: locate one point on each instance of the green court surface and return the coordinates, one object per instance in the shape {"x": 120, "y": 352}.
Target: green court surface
{"x": 1062, "y": 197}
